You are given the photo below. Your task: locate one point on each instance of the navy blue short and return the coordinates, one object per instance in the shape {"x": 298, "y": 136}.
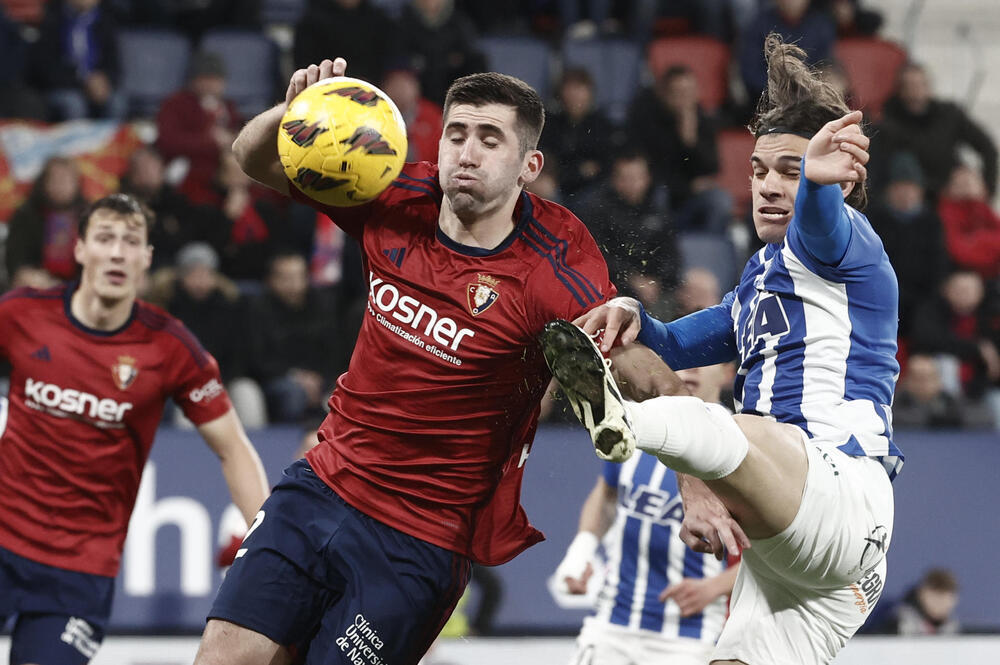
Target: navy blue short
{"x": 335, "y": 585}
{"x": 59, "y": 615}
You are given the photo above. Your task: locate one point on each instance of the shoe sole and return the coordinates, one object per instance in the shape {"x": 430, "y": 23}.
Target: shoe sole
{"x": 578, "y": 366}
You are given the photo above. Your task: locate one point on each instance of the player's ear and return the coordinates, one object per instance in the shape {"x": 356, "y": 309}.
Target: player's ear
{"x": 78, "y": 250}
{"x": 147, "y": 257}
{"x": 531, "y": 167}
{"x": 846, "y": 188}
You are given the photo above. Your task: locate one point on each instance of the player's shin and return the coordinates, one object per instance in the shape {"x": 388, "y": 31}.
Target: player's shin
{"x": 689, "y": 435}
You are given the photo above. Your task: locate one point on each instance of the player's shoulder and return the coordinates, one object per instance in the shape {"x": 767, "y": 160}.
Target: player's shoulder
{"x": 28, "y": 297}
{"x": 416, "y": 180}
{"x": 554, "y": 219}
{"x": 171, "y": 330}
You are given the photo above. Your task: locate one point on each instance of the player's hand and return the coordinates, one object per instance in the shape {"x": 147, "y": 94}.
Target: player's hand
{"x": 619, "y": 318}
{"x": 708, "y": 527}
{"x": 228, "y": 553}
{"x": 838, "y": 152}
{"x": 691, "y": 595}
{"x": 575, "y": 569}
{"x": 303, "y": 78}
{"x": 578, "y": 585}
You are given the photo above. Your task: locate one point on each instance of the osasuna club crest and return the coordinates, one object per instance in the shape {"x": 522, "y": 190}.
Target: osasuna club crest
{"x": 124, "y": 372}
{"x": 482, "y": 294}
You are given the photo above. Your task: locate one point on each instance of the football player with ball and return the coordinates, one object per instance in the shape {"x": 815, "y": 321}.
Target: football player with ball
{"x": 365, "y": 546}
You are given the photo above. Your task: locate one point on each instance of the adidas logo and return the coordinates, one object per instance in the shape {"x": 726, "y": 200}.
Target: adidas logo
{"x": 42, "y": 354}
{"x": 395, "y": 255}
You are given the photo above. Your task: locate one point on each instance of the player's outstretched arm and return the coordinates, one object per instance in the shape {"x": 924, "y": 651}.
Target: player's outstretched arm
{"x": 256, "y": 146}
{"x": 596, "y": 516}
{"x": 240, "y": 464}
{"x": 836, "y": 154}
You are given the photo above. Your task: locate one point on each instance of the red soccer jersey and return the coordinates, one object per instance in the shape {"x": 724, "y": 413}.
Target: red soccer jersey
{"x": 429, "y": 428}
{"x": 84, "y": 406}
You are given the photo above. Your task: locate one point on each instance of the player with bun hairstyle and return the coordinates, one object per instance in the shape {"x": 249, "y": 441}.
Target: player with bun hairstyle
{"x": 804, "y": 468}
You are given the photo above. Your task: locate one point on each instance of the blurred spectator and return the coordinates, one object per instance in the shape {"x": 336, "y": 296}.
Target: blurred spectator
{"x": 962, "y": 323}
{"x": 210, "y": 306}
{"x": 577, "y": 135}
{"x": 42, "y": 231}
{"x": 628, "y": 219}
{"x": 914, "y": 120}
{"x": 17, "y": 100}
{"x": 295, "y": 344}
{"x": 971, "y": 226}
{"x": 177, "y": 221}
{"x": 811, "y": 29}
{"x": 681, "y": 138}
{"x": 423, "y": 117}
{"x": 926, "y": 609}
{"x": 699, "y": 290}
{"x": 922, "y": 402}
{"x": 852, "y": 19}
{"x": 912, "y": 236}
{"x": 442, "y": 40}
{"x": 198, "y": 124}
{"x": 252, "y": 222}
{"x": 75, "y": 61}
{"x": 353, "y": 29}
{"x": 192, "y": 17}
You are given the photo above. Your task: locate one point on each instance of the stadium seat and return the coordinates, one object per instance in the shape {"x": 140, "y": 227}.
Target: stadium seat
{"x": 527, "y": 58}
{"x": 153, "y": 64}
{"x": 708, "y": 58}
{"x": 712, "y": 252}
{"x": 735, "y": 146}
{"x": 872, "y": 65}
{"x": 251, "y": 67}
{"x": 614, "y": 66}
{"x": 282, "y": 11}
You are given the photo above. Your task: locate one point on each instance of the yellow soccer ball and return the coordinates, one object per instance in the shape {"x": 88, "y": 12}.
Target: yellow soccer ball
{"x": 342, "y": 141}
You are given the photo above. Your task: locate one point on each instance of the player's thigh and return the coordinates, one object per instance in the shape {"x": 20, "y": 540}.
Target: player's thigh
{"x": 765, "y": 490}
{"x": 53, "y": 639}
{"x": 225, "y": 643}
{"x": 399, "y": 591}
{"x": 800, "y": 596}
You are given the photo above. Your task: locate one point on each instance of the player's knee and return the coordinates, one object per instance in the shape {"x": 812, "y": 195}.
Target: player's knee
{"x": 225, "y": 643}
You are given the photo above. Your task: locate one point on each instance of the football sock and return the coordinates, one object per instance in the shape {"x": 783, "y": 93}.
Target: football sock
{"x": 688, "y": 435}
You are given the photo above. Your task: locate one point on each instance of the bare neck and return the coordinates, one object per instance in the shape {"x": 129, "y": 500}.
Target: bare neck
{"x": 99, "y": 313}
{"x": 486, "y": 230}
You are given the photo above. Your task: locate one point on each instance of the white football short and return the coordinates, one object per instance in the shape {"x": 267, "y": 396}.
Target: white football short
{"x": 800, "y": 595}
{"x": 601, "y": 643}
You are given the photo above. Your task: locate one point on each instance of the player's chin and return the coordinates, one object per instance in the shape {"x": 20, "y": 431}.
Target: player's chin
{"x": 463, "y": 201}
{"x": 771, "y": 231}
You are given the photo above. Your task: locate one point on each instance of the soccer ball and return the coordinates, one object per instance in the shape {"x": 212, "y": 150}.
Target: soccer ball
{"x": 342, "y": 141}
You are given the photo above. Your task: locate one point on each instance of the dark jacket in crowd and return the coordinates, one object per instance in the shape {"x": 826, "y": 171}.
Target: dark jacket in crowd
{"x": 365, "y": 36}
{"x": 673, "y": 163}
{"x": 215, "y": 321}
{"x": 915, "y": 245}
{"x": 284, "y": 338}
{"x": 934, "y": 137}
{"x": 571, "y": 143}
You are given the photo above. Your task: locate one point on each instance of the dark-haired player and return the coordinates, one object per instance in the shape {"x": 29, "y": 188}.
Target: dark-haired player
{"x": 806, "y": 467}
{"x": 91, "y": 368}
{"x": 365, "y": 547}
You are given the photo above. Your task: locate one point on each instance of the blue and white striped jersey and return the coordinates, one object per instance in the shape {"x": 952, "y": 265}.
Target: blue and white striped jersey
{"x": 817, "y": 343}
{"x": 645, "y": 555}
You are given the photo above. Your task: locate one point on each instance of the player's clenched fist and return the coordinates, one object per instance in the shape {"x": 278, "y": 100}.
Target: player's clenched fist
{"x": 303, "y": 78}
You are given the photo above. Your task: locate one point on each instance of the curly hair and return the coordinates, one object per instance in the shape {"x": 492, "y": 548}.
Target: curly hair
{"x": 798, "y": 101}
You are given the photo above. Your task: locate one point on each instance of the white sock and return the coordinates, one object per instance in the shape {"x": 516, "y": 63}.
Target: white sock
{"x": 688, "y": 435}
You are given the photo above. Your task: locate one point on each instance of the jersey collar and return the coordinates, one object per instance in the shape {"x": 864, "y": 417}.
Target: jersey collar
{"x": 523, "y": 216}
{"x": 67, "y": 306}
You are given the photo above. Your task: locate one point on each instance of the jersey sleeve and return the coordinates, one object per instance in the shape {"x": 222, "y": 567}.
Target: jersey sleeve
{"x": 196, "y": 385}
{"x": 352, "y": 220}
{"x": 572, "y": 277}
{"x": 6, "y": 318}
{"x": 696, "y": 340}
{"x": 832, "y": 239}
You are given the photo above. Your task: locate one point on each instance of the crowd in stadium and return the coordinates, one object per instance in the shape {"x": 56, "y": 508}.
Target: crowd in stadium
{"x": 652, "y": 159}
